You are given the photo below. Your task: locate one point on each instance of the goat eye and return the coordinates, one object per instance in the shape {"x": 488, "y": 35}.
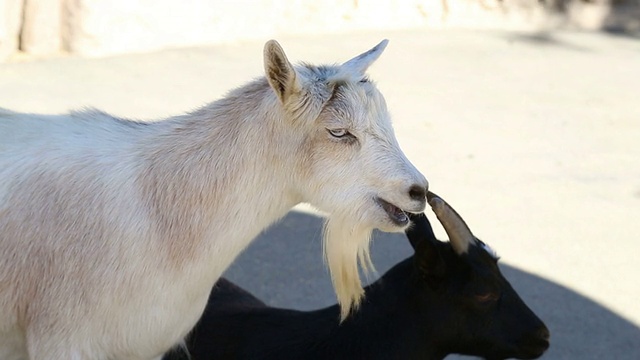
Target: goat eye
{"x": 487, "y": 297}
{"x": 338, "y": 133}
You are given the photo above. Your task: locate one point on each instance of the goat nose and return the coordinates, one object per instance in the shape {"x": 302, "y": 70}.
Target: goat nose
{"x": 417, "y": 192}
{"x": 543, "y": 333}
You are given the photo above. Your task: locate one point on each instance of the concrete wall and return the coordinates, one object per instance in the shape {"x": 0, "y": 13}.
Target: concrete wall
{"x": 10, "y": 24}
{"x": 107, "y": 27}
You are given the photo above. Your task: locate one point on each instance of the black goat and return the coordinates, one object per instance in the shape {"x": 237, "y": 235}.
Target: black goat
{"x": 449, "y": 297}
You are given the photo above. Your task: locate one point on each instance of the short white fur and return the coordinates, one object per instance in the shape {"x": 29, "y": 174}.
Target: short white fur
{"x": 112, "y": 232}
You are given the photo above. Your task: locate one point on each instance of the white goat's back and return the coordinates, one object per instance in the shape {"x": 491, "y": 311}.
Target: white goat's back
{"x": 112, "y": 232}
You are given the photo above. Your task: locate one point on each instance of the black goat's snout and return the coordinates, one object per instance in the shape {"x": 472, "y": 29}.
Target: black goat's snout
{"x": 543, "y": 333}
{"x": 418, "y": 193}
{"x": 535, "y": 344}
{"x": 544, "y": 336}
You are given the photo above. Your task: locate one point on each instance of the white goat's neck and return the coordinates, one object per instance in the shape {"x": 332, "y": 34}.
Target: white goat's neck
{"x": 232, "y": 161}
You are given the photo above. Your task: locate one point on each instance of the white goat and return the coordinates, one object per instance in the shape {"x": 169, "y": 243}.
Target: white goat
{"x": 112, "y": 232}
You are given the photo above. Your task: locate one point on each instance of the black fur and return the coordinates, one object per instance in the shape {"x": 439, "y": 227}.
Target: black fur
{"x": 428, "y": 306}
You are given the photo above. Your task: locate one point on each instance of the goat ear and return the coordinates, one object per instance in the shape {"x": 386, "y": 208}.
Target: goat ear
{"x": 430, "y": 261}
{"x": 424, "y": 243}
{"x": 420, "y": 230}
{"x": 279, "y": 71}
{"x": 361, "y": 63}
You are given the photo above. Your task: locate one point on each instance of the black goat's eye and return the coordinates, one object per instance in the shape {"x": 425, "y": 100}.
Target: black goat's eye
{"x": 338, "y": 133}
{"x": 487, "y": 297}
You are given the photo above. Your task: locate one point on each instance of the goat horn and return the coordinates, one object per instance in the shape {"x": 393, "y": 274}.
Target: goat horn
{"x": 459, "y": 233}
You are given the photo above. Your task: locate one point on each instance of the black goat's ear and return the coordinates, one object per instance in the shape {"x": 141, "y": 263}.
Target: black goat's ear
{"x": 420, "y": 230}
{"x": 430, "y": 262}
{"x": 427, "y": 253}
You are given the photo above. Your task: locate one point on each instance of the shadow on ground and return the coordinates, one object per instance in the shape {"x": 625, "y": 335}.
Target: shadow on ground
{"x": 284, "y": 268}
{"x": 620, "y": 17}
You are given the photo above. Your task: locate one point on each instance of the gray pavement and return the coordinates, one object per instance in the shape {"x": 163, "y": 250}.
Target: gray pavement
{"x": 533, "y": 137}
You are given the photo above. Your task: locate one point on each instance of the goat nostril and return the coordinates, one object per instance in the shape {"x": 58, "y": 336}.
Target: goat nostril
{"x": 544, "y": 333}
{"x": 417, "y": 192}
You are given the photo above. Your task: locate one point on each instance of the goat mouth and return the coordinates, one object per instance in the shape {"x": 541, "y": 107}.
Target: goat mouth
{"x": 535, "y": 350}
{"x": 397, "y": 215}
{"x": 531, "y": 350}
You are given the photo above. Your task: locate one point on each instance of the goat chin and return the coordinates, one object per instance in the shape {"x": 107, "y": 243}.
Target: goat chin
{"x": 346, "y": 249}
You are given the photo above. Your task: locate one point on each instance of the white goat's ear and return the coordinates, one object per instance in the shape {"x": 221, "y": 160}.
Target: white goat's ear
{"x": 361, "y": 63}
{"x": 279, "y": 71}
